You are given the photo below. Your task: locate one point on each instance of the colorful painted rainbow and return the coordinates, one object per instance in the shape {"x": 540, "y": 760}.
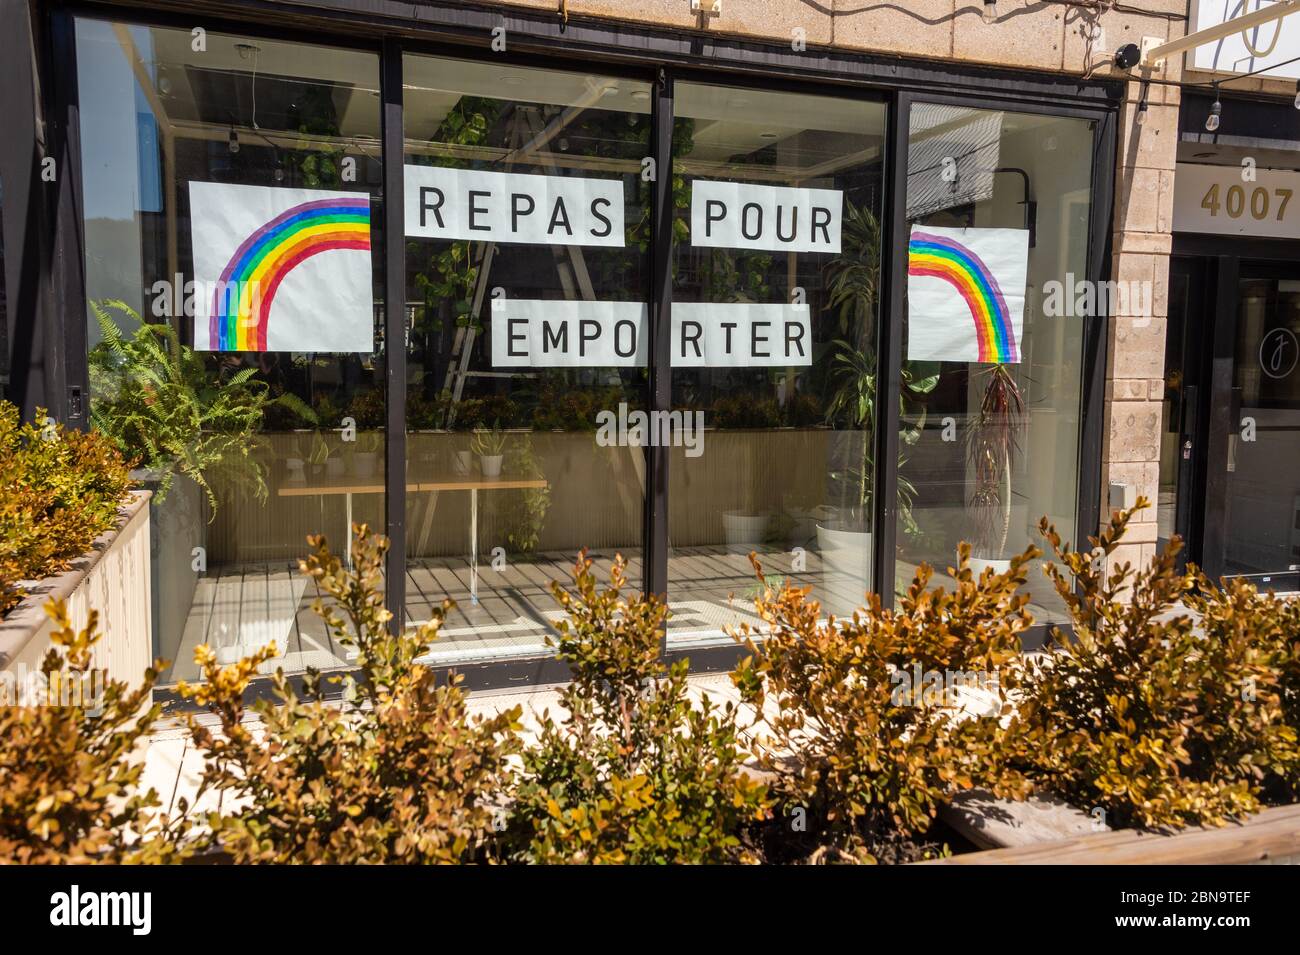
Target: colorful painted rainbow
{"x": 241, "y": 303}
{"x": 943, "y": 258}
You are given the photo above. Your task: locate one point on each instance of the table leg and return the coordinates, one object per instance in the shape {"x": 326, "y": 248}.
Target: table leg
{"x": 347, "y": 532}
{"x": 473, "y": 546}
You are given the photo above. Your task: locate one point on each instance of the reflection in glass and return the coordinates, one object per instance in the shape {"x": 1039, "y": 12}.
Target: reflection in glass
{"x": 517, "y": 276}
{"x": 788, "y": 400}
{"x": 253, "y": 449}
{"x": 998, "y": 206}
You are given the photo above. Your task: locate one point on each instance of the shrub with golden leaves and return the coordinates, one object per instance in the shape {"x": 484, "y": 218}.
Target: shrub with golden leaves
{"x": 70, "y": 767}
{"x": 863, "y": 753}
{"x": 61, "y": 490}
{"x": 635, "y": 772}
{"x": 397, "y": 772}
{"x": 1163, "y": 706}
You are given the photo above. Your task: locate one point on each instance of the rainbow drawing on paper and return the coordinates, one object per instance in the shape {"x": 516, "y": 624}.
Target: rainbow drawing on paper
{"x": 943, "y": 257}
{"x": 246, "y": 289}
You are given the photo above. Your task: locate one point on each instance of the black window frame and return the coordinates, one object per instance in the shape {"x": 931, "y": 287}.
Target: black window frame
{"x": 650, "y": 53}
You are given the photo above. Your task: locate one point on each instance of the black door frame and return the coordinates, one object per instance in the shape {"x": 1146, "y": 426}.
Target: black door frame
{"x": 662, "y": 56}
{"x": 1225, "y": 260}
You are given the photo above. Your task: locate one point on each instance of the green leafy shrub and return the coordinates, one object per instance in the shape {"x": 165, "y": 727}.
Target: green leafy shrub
{"x": 862, "y": 753}
{"x": 398, "y": 772}
{"x": 69, "y": 766}
{"x": 634, "y": 772}
{"x": 159, "y": 402}
{"x": 1164, "y": 706}
{"x": 62, "y": 489}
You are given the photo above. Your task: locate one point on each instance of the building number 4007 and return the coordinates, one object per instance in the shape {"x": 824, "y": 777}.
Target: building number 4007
{"x": 1233, "y": 201}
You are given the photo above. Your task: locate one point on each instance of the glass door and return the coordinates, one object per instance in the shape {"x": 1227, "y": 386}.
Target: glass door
{"x": 1260, "y": 462}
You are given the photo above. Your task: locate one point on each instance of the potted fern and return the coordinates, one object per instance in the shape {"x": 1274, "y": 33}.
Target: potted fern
{"x": 183, "y": 421}
{"x": 171, "y": 414}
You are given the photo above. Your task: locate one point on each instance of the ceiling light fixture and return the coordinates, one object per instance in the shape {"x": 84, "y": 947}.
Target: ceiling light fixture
{"x": 1297, "y": 94}
{"x": 234, "y": 140}
{"x": 990, "y": 11}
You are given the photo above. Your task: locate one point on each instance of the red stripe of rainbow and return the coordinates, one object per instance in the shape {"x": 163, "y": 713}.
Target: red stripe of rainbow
{"x": 241, "y": 303}
{"x": 943, "y": 258}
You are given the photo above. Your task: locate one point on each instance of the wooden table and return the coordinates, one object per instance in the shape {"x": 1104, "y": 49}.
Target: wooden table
{"x": 454, "y": 482}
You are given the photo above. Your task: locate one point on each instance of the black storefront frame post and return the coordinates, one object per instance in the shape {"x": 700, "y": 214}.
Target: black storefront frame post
{"x": 659, "y": 353}
{"x": 889, "y": 349}
{"x": 66, "y": 384}
{"x": 393, "y": 150}
{"x": 1096, "y": 330}
{"x": 1220, "y": 426}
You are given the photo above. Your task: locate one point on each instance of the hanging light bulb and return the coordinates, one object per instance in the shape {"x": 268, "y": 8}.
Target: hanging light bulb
{"x": 234, "y": 140}
{"x": 1142, "y": 113}
{"x": 990, "y": 11}
{"x": 1297, "y": 94}
{"x": 1212, "y": 121}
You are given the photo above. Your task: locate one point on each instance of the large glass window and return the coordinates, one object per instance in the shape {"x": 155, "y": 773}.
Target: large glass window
{"x": 231, "y": 225}
{"x": 527, "y": 280}
{"x": 776, "y": 266}
{"x": 998, "y": 206}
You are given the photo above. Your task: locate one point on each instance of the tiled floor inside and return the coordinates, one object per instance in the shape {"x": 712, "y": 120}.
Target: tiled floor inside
{"x": 501, "y": 612}
{"x": 506, "y": 611}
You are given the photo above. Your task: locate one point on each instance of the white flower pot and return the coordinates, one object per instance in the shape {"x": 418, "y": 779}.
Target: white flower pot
{"x": 490, "y": 464}
{"x": 462, "y": 461}
{"x": 846, "y": 568}
{"x": 744, "y": 531}
{"x": 295, "y": 469}
{"x": 979, "y": 564}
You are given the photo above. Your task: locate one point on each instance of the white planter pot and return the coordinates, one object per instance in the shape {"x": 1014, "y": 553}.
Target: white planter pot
{"x": 979, "y": 564}
{"x": 490, "y": 464}
{"x": 743, "y": 531}
{"x": 295, "y": 470}
{"x": 846, "y": 568}
{"x": 462, "y": 461}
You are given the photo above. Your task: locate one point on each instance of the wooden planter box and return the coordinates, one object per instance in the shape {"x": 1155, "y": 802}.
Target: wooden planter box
{"x": 112, "y": 578}
{"x": 1041, "y": 832}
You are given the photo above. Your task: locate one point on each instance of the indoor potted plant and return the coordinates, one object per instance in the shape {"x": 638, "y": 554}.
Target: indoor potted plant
{"x": 992, "y": 442}
{"x": 490, "y": 446}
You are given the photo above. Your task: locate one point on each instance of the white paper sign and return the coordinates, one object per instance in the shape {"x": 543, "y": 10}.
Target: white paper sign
{"x": 533, "y": 333}
{"x": 537, "y": 333}
{"x": 966, "y": 294}
{"x": 736, "y": 215}
{"x": 1217, "y": 200}
{"x": 281, "y": 269}
{"x": 740, "y": 335}
{"x": 446, "y": 203}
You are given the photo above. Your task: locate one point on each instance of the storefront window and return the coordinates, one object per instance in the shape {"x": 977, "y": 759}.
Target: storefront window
{"x": 527, "y": 281}
{"x": 998, "y": 207}
{"x": 775, "y": 299}
{"x": 232, "y": 212}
